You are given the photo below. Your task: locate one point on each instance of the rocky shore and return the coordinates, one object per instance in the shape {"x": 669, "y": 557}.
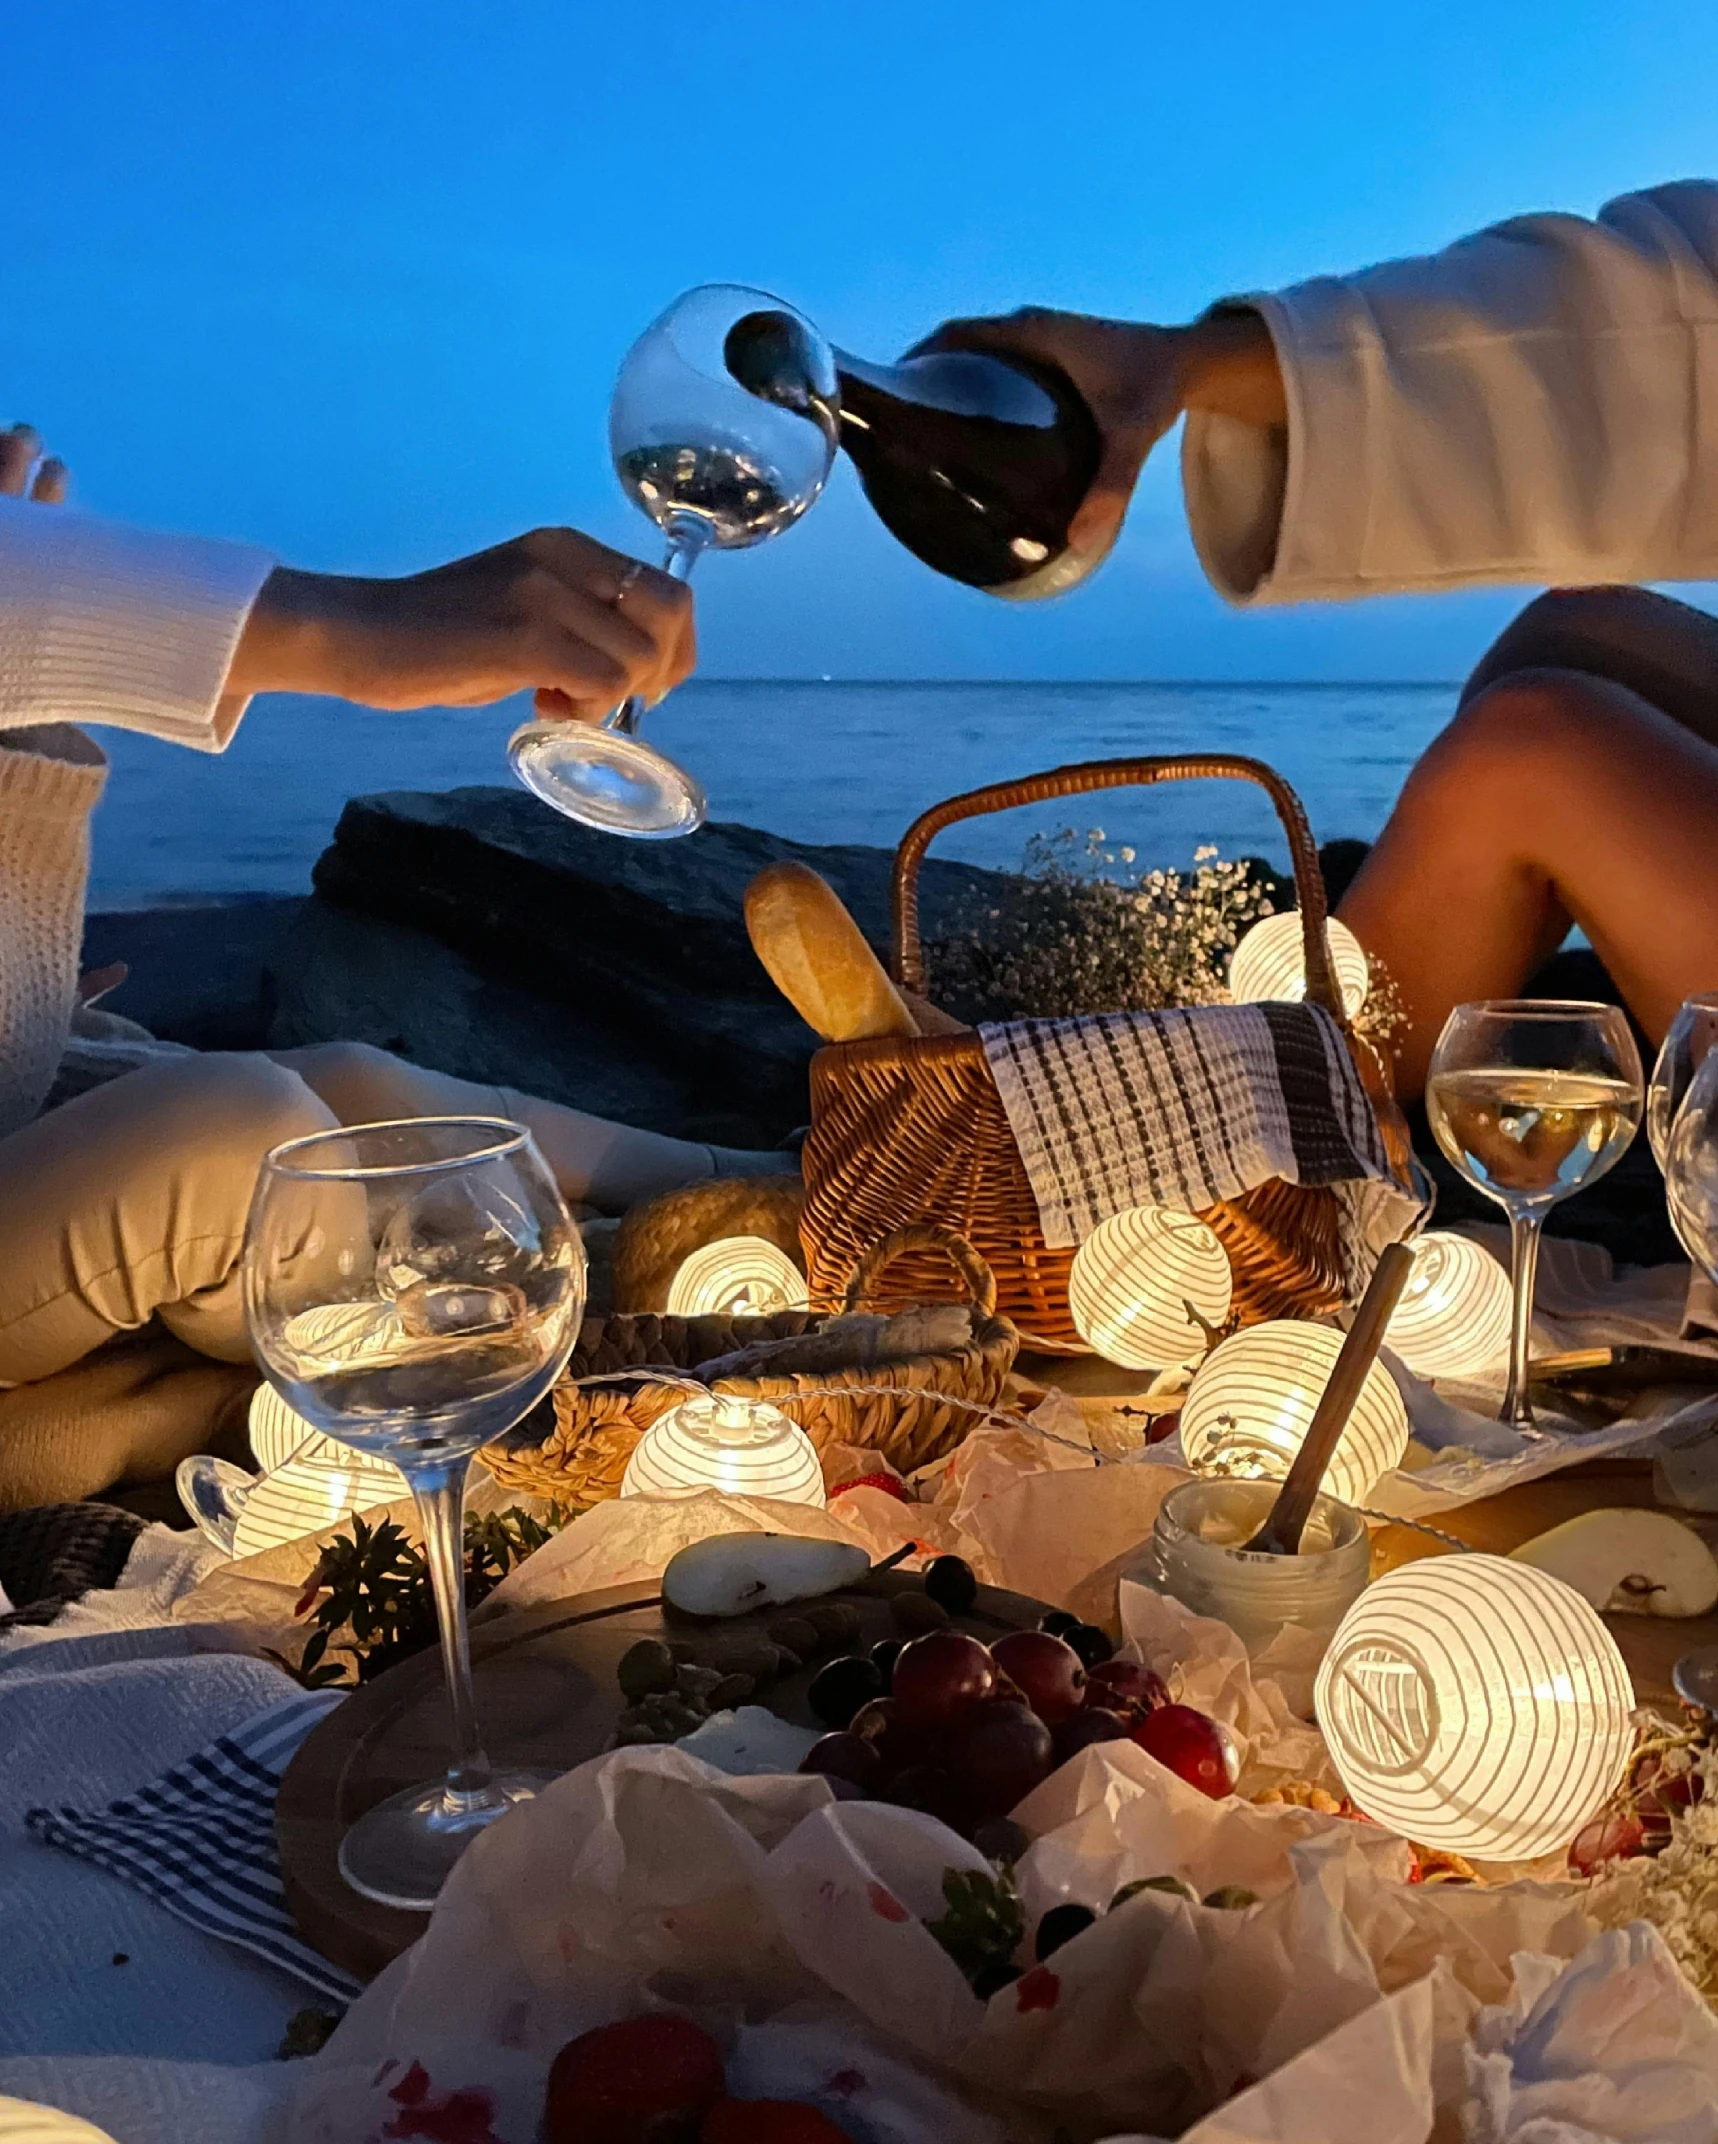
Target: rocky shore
{"x": 475, "y": 932}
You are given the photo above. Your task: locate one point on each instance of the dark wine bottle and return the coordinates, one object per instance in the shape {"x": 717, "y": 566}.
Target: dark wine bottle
{"x": 976, "y": 464}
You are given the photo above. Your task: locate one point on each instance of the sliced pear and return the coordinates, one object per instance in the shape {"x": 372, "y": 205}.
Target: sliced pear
{"x": 731, "y": 1574}
{"x": 1644, "y": 1562}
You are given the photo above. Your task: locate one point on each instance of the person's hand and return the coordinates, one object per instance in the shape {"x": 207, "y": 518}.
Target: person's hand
{"x": 1136, "y": 379}
{"x": 25, "y": 472}
{"x": 581, "y": 625}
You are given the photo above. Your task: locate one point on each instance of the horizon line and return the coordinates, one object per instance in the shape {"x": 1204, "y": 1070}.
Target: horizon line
{"x": 1228, "y": 684}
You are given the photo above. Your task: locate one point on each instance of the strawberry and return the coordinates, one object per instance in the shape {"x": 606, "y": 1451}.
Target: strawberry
{"x": 646, "y": 2080}
{"x": 768, "y": 2121}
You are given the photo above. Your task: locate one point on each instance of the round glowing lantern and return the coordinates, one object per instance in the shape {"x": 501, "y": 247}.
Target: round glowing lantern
{"x": 1252, "y": 1400}
{"x": 737, "y": 1277}
{"x": 1453, "y": 1318}
{"x": 1270, "y": 962}
{"x": 720, "y": 1441}
{"x": 1478, "y": 1705}
{"x": 22, "y": 2121}
{"x": 1138, "y": 1279}
{"x": 310, "y": 1481}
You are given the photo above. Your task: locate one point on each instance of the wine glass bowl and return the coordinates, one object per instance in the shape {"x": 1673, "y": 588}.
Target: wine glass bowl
{"x": 1531, "y": 1100}
{"x": 413, "y": 1290}
{"x": 1683, "y": 1051}
{"x": 1691, "y": 1168}
{"x": 716, "y": 467}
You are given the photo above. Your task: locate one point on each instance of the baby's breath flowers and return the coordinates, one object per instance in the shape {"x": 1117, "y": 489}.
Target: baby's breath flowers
{"x": 1082, "y": 930}
{"x": 1676, "y": 1888}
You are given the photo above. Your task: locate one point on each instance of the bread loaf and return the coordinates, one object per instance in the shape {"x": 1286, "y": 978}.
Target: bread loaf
{"x": 818, "y": 959}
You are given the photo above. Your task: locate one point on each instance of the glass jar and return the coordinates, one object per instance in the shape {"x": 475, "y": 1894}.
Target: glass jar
{"x": 1196, "y": 1557}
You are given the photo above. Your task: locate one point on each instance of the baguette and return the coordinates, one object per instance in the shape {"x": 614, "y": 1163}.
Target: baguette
{"x": 818, "y": 959}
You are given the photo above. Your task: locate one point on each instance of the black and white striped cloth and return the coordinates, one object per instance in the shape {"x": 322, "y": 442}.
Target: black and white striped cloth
{"x": 1189, "y": 1107}
{"x": 200, "y": 1841}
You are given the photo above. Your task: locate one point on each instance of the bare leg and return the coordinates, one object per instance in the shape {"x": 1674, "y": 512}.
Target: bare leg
{"x": 595, "y": 1162}
{"x": 1662, "y": 650}
{"x": 1551, "y": 799}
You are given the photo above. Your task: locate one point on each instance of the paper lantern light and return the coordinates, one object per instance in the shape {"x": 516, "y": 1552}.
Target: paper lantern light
{"x": 1133, "y": 1280}
{"x": 737, "y": 1277}
{"x": 720, "y": 1441}
{"x": 22, "y": 2121}
{"x": 1252, "y": 1400}
{"x": 1454, "y": 1315}
{"x": 310, "y": 1481}
{"x": 1270, "y": 962}
{"x": 1478, "y": 1705}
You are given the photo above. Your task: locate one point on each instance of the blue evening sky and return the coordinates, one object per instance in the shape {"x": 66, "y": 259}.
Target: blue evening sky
{"x": 351, "y": 277}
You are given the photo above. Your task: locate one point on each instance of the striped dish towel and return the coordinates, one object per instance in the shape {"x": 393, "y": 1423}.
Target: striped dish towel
{"x": 1190, "y": 1107}
{"x": 200, "y": 1840}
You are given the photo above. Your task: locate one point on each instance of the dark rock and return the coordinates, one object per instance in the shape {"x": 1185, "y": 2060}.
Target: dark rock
{"x": 198, "y": 974}
{"x": 649, "y": 937}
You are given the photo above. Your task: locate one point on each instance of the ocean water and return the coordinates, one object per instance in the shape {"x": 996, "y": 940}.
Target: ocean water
{"x": 815, "y": 761}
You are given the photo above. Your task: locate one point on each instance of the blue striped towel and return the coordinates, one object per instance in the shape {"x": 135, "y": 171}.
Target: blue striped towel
{"x": 200, "y": 1841}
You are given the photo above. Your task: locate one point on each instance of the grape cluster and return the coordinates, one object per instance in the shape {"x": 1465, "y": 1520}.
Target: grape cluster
{"x": 965, "y": 1731}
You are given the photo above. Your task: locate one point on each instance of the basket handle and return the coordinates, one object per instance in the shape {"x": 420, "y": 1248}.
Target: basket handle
{"x": 1120, "y": 774}
{"x": 923, "y": 1236}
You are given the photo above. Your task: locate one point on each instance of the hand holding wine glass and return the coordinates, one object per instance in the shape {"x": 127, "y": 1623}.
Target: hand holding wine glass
{"x": 413, "y": 1289}
{"x": 1531, "y": 1099}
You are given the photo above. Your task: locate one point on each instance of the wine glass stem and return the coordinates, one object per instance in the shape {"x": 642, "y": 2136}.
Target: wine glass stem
{"x": 440, "y": 1501}
{"x": 682, "y": 557}
{"x": 1524, "y": 1227}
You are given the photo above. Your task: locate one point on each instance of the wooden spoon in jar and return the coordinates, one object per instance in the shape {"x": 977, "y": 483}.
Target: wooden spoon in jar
{"x": 1281, "y": 1532}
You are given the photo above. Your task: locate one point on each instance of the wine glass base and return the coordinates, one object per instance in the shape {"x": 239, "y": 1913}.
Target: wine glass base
{"x": 213, "y": 1492}
{"x": 608, "y": 780}
{"x": 402, "y": 1852}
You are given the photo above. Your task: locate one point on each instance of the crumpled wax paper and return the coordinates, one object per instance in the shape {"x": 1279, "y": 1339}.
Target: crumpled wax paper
{"x": 1615, "y": 2047}
{"x": 792, "y": 1925}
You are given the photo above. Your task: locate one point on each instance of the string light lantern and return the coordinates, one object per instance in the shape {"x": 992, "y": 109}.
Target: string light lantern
{"x": 1478, "y": 1705}
{"x": 1133, "y": 1281}
{"x": 1270, "y": 962}
{"x": 22, "y": 2121}
{"x": 1453, "y": 1318}
{"x": 737, "y": 1277}
{"x": 720, "y": 1441}
{"x": 310, "y": 1481}
{"x": 1252, "y": 1400}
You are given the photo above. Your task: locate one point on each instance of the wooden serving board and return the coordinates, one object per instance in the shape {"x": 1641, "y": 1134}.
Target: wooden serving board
{"x": 547, "y": 1697}
{"x": 1650, "y": 1644}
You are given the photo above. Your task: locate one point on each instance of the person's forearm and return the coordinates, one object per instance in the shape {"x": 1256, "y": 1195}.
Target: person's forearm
{"x": 1228, "y": 366}
{"x": 294, "y": 636}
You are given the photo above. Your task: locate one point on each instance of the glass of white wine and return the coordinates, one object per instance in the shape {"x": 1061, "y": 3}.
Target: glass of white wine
{"x": 413, "y": 1290}
{"x": 1690, "y": 1167}
{"x": 1531, "y": 1099}
{"x": 716, "y": 467}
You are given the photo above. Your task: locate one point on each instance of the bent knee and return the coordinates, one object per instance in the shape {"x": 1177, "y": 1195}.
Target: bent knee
{"x": 1530, "y": 727}
{"x": 360, "y": 1083}
{"x": 231, "y": 1105}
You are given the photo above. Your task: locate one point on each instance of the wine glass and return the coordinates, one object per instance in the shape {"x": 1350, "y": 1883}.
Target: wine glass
{"x": 1691, "y": 1167}
{"x": 1531, "y": 1099}
{"x": 1689, "y": 1037}
{"x": 715, "y": 466}
{"x": 413, "y": 1289}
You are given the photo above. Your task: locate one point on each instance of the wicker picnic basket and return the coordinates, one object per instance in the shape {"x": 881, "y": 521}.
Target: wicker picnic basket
{"x": 915, "y": 1417}
{"x": 914, "y": 1130}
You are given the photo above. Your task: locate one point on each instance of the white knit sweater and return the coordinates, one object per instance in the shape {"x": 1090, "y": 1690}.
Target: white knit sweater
{"x": 97, "y": 624}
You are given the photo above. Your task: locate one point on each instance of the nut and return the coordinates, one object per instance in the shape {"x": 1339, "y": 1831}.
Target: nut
{"x": 796, "y": 1632}
{"x": 917, "y": 1613}
{"x": 645, "y": 1667}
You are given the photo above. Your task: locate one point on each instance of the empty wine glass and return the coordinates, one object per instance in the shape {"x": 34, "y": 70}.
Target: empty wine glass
{"x": 715, "y": 467}
{"x": 1690, "y": 1035}
{"x": 1531, "y": 1099}
{"x": 413, "y": 1290}
{"x": 1690, "y": 1167}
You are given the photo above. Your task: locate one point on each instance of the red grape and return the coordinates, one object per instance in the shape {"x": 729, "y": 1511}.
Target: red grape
{"x": 846, "y": 1756}
{"x": 939, "y": 1675}
{"x": 1611, "y": 1836}
{"x": 930, "y": 1788}
{"x": 1049, "y": 1673}
{"x": 1126, "y": 1686}
{"x": 1094, "y": 1724}
{"x": 1193, "y": 1746}
{"x": 998, "y": 1753}
{"x": 896, "y": 1741}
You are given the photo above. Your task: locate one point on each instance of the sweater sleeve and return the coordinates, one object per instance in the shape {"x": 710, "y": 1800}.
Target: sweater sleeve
{"x": 1537, "y": 403}
{"x": 105, "y": 624}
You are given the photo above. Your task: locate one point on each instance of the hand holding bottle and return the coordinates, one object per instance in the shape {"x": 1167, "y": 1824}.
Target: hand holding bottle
{"x": 1137, "y": 380}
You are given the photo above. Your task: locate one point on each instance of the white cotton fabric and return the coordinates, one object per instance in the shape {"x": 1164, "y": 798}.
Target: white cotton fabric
{"x": 1533, "y": 404}
{"x": 98, "y": 623}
